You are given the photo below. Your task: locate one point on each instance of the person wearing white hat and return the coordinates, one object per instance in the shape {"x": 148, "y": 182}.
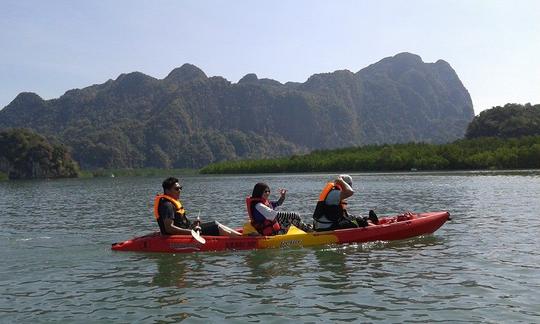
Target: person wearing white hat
{"x": 331, "y": 210}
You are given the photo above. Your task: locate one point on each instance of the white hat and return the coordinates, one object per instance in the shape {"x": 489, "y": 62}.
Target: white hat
{"x": 347, "y": 178}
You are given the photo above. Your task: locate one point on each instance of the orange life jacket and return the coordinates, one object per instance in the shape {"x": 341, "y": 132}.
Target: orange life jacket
{"x": 180, "y": 218}
{"x": 326, "y": 190}
{"x": 176, "y": 203}
{"x": 332, "y": 213}
{"x": 263, "y": 225}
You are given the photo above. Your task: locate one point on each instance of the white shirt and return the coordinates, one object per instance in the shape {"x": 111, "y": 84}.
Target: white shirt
{"x": 266, "y": 211}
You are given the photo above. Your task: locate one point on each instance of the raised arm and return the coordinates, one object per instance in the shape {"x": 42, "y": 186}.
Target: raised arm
{"x": 346, "y": 190}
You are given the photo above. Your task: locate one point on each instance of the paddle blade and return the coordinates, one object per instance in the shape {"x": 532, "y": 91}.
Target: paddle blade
{"x": 198, "y": 237}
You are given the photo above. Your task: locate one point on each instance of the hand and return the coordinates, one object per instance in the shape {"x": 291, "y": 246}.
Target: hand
{"x": 283, "y": 192}
{"x": 197, "y": 229}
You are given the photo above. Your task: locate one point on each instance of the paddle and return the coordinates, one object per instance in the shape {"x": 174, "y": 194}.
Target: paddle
{"x": 198, "y": 237}
{"x": 196, "y": 233}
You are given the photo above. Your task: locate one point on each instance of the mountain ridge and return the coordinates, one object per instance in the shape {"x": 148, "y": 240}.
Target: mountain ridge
{"x": 123, "y": 122}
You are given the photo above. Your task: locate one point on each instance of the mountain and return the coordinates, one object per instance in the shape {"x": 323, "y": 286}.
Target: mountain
{"x": 189, "y": 119}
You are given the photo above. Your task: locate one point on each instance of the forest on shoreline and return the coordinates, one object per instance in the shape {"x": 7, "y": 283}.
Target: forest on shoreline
{"x": 469, "y": 154}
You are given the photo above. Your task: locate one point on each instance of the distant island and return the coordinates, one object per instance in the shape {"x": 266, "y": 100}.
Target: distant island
{"x": 189, "y": 120}
{"x": 499, "y": 138}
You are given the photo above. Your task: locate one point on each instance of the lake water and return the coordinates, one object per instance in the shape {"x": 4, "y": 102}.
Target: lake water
{"x": 483, "y": 266}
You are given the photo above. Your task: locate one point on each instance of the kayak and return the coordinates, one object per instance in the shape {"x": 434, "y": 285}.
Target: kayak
{"x": 398, "y": 227}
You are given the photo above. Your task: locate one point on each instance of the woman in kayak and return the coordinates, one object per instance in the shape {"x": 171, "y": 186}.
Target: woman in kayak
{"x": 263, "y": 216}
{"x": 171, "y": 216}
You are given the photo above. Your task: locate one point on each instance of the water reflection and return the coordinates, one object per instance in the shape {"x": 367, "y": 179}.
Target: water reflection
{"x": 171, "y": 271}
{"x": 333, "y": 272}
{"x": 265, "y": 265}
{"x": 180, "y": 271}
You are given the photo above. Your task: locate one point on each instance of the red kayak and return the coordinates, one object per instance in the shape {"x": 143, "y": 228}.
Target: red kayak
{"x": 388, "y": 229}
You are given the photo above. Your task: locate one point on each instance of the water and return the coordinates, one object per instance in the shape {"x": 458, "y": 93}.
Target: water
{"x": 483, "y": 266}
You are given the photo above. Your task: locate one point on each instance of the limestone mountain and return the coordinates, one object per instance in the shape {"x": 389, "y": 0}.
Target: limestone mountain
{"x": 189, "y": 119}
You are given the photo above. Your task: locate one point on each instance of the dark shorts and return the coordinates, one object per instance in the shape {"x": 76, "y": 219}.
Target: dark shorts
{"x": 346, "y": 222}
{"x": 210, "y": 228}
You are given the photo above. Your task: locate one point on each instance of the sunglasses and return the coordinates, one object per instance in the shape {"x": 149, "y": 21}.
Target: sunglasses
{"x": 177, "y": 188}
{"x": 267, "y": 191}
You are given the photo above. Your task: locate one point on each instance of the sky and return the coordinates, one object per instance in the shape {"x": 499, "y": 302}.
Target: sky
{"x": 49, "y": 47}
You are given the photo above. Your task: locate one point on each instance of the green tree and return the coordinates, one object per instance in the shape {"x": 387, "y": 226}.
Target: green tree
{"x": 27, "y": 155}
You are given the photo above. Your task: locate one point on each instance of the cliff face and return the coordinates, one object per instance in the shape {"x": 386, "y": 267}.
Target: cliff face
{"x": 428, "y": 101}
{"x": 189, "y": 119}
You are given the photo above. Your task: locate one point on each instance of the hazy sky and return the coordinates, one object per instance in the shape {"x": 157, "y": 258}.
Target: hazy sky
{"x": 49, "y": 47}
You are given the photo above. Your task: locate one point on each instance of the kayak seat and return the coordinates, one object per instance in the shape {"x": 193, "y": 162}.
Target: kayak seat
{"x": 294, "y": 230}
{"x": 249, "y": 230}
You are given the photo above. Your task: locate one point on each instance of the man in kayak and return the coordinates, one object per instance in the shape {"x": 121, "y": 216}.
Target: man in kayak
{"x": 331, "y": 210}
{"x": 263, "y": 216}
{"x": 171, "y": 216}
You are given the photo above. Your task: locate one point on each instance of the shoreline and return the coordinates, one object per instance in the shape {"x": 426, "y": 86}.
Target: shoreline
{"x": 194, "y": 173}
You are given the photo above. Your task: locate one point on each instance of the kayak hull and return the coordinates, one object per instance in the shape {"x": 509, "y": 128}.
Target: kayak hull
{"x": 389, "y": 229}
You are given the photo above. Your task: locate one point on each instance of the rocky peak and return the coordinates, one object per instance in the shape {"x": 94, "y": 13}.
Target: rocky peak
{"x": 325, "y": 80}
{"x": 406, "y": 58}
{"x": 26, "y": 99}
{"x": 133, "y": 78}
{"x": 394, "y": 66}
{"x": 187, "y": 72}
{"x": 249, "y": 78}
